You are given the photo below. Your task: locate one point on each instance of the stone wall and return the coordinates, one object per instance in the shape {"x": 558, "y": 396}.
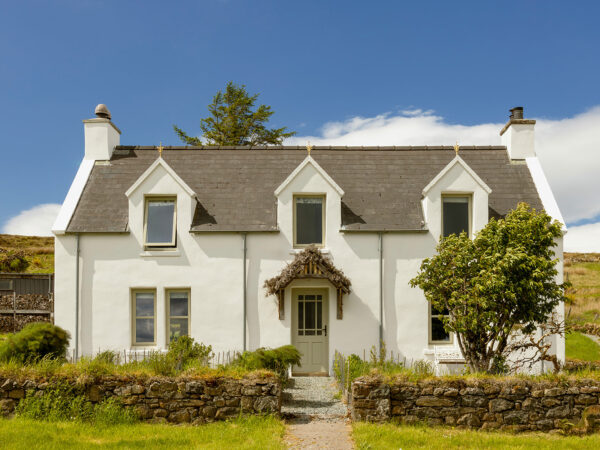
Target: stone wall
{"x": 508, "y": 404}
{"x": 176, "y": 400}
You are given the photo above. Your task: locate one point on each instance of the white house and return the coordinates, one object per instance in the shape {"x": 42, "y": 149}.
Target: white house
{"x": 152, "y": 243}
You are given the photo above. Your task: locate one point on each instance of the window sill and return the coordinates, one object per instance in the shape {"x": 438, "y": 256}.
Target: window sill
{"x": 323, "y": 250}
{"x": 153, "y": 253}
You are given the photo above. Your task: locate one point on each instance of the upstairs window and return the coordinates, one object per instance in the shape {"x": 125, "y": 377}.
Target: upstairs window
{"x": 309, "y": 219}
{"x": 160, "y": 222}
{"x": 456, "y": 212}
{"x": 437, "y": 334}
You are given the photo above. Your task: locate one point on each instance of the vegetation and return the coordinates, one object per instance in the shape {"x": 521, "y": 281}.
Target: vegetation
{"x": 501, "y": 279}
{"x": 34, "y": 342}
{"x": 279, "y": 360}
{"x": 13, "y": 261}
{"x": 38, "y": 252}
{"x": 583, "y": 296}
{"x": 232, "y": 121}
{"x": 391, "y": 436}
{"x": 63, "y": 402}
{"x": 245, "y": 433}
{"x": 579, "y": 346}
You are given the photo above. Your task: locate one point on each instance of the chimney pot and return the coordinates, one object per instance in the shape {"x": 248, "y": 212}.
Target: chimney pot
{"x": 516, "y": 113}
{"x": 102, "y": 111}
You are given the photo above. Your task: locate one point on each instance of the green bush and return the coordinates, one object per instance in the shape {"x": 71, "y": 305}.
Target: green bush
{"x": 279, "y": 360}
{"x": 65, "y": 402}
{"x": 13, "y": 261}
{"x": 35, "y": 341}
{"x": 185, "y": 351}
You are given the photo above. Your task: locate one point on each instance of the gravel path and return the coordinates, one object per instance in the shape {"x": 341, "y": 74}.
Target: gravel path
{"x": 596, "y": 339}
{"x": 315, "y": 418}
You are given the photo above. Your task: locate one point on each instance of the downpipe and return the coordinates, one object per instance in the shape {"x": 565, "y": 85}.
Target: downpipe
{"x": 380, "y": 291}
{"x": 244, "y": 237}
{"x": 76, "y": 297}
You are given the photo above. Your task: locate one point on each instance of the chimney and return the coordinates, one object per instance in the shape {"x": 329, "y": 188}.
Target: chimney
{"x": 518, "y": 135}
{"x": 101, "y": 135}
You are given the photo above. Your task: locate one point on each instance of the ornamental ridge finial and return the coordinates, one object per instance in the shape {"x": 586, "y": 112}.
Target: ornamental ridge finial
{"x": 160, "y": 149}
{"x": 308, "y": 147}
{"x": 456, "y": 148}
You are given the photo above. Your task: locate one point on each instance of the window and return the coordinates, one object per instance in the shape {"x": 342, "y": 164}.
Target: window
{"x": 178, "y": 313}
{"x": 160, "y": 223}
{"x": 455, "y": 215}
{"x": 144, "y": 317}
{"x": 437, "y": 334}
{"x": 309, "y": 218}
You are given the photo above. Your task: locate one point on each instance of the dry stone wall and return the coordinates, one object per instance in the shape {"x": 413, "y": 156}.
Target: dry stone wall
{"x": 176, "y": 400}
{"x": 510, "y": 404}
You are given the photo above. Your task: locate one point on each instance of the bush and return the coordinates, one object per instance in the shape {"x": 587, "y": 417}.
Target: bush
{"x": 35, "y": 341}
{"x": 64, "y": 402}
{"x": 185, "y": 351}
{"x": 13, "y": 261}
{"x": 279, "y": 360}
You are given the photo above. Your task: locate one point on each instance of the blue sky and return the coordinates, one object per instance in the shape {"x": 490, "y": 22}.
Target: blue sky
{"x": 316, "y": 62}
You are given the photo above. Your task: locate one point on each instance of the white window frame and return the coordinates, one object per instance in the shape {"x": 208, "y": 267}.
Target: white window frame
{"x": 323, "y": 198}
{"x": 147, "y": 200}
{"x": 469, "y": 197}
{"x": 437, "y": 316}
{"x": 168, "y": 291}
{"x": 134, "y": 316}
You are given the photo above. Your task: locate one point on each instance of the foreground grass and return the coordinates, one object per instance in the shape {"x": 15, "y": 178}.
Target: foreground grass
{"x": 579, "y": 346}
{"x": 390, "y": 436}
{"x": 248, "y": 432}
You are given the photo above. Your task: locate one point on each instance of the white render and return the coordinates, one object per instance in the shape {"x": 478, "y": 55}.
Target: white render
{"x": 210, "y": 264}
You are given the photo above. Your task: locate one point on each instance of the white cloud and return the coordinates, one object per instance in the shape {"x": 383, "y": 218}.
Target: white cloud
{"x": 583, "y": 239}
{"x": 36, "y": 221}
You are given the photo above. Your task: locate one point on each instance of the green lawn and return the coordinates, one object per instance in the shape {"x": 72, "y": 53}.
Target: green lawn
{"x": 251, "y": 432}
{"x": 579, "y": 346}
{"x": 389, "y": 436}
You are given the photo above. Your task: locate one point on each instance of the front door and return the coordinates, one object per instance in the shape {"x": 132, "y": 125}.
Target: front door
{"x": 310, "y": 321}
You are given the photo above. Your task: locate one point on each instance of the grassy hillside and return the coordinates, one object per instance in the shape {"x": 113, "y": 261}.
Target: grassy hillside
{"x": 583, "y": 271}
{"x": 39, "y": 251}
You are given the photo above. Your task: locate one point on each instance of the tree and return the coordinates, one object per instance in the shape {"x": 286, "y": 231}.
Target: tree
{"x": 232, "y": 121}
{"x": 499, "y": 282}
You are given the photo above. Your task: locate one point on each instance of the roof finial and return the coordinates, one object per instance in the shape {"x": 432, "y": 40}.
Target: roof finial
{"x": 456, "y": 148}
{"x": 308, "y": 147}
{"x": 160, "y": 149}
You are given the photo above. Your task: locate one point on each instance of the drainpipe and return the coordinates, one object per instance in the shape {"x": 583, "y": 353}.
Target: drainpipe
{"x": 77, "y": 297}
{"x": 380, "y": 290}
{"x": 244, "y": 236}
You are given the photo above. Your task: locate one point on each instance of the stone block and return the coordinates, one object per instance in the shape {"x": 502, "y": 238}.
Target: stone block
{"x": 226, "y": 412}
{"x": 144, "y": 412}
{"x": 232, "y": 402}
{"x": 137, "y": 389}
{"x": 589, "y": 389}
{"x": 209, "y": 411}
{"x": 491, "y": 425}
{"x": 591, "y": 418}
{"x": 559, "y": 412}
{"x": 160, "y": 412}
{"x": 247, "y": 403}
{"x": 516, "y": 418}
{"x": 474, "y": 400}
{"x": 434, "y": 401}
{"x": 251, "y": 390}
{"x": 469, "y": 420}
{"x": 360, "y": 390}
{"x": 382, "y": 391}
{"x": 7, "y": 406}
{"x": 549, "y": 402}
{"x": 544, "y": 424}
{"x": 180, "y": 416}
{"x": 451, "y": 392}
{"x": 16, "y": 393}
{"x": 194, "y": 387}
{"x": 500, "y": 404}
{"x": 265, "y": 404}
{"x": 586, "y": 399}
{"x": 554, "y": 392}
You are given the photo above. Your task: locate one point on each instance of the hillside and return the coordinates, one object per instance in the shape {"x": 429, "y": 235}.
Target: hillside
{"x": 39, "y": 251}
{"x": 583, "y": 271}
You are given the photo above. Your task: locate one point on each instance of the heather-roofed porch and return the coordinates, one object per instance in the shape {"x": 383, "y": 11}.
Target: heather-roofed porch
{"x": 309, "y": 263}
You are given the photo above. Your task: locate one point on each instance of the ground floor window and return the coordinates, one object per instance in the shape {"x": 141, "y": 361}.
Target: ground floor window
{"x": 144, "y": 317}
{"x": 178, "y": 311}
{"x": 437, "y": 334}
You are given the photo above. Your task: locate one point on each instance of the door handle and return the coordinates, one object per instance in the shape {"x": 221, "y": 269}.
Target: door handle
{"x": 325, "y": 330}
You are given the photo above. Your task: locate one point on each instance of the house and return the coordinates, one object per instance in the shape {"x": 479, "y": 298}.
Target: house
{"x": 153, "y": 242}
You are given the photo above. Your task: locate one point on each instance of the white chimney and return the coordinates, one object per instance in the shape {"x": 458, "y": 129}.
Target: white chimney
{"x": 101, "y": 135}
{"x": 518, "y": 135}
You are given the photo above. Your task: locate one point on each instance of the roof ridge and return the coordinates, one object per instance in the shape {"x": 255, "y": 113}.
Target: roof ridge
{"x": 316, "y": 147}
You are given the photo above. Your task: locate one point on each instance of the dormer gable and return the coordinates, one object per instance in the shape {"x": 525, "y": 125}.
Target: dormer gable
{"x": 309, "y": 161}
{"x": 446, "y": 172}
{"x": 154, "y": 167}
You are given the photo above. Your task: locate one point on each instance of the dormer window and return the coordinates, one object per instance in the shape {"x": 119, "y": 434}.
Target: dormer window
{"x": 309, "y": 220}
{"x": 456, "y": 214}
{"x": 160, "y": 223}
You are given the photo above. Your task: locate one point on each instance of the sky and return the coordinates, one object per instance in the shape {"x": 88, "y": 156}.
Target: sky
{"x": 343, "y": 72}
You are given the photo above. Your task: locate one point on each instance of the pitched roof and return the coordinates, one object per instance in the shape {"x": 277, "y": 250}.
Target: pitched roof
{"x": 235, "y": 185}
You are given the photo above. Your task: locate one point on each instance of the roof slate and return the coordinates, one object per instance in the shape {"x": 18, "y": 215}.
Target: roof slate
{"x": 235, "y": 185}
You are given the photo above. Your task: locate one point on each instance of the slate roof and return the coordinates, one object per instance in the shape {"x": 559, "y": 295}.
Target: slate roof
{"x": 235, "y": 185}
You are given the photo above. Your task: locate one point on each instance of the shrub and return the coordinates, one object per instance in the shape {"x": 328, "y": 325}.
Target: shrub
{"x": 279, "y": 360}
{"x": 13, "y": 261}
{"x": 35, "y": 341}
{"x": 185, "y": 351}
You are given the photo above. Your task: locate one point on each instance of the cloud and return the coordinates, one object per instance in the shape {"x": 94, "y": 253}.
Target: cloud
{"x": 36, "y": 221}
{"x": 583, "y": 239}
{"x": 568, "y": 149}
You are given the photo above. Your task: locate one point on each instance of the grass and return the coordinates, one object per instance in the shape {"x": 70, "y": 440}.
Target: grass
{"x": 579, "y": 346}
{"x": 39, "y": 251}
{"x": 583, "y": 271}
{"x": 247, "y": 432}
{"x": 391, "y": 436}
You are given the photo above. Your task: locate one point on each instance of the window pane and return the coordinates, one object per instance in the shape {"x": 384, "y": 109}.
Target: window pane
{"x": 144, "y": 304}
{"x": 456, "y": 215}
{"x": 437, "y": 330}
{"x": 178, "y": 328}
{"x": 310, "y": 315}
{"x": 144, "y": 330}
{"x": 178, "y": 304}
{"x": 160, "y": 221}
{"x": 319, "y": 314}
{"x": 309, "y": 220}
